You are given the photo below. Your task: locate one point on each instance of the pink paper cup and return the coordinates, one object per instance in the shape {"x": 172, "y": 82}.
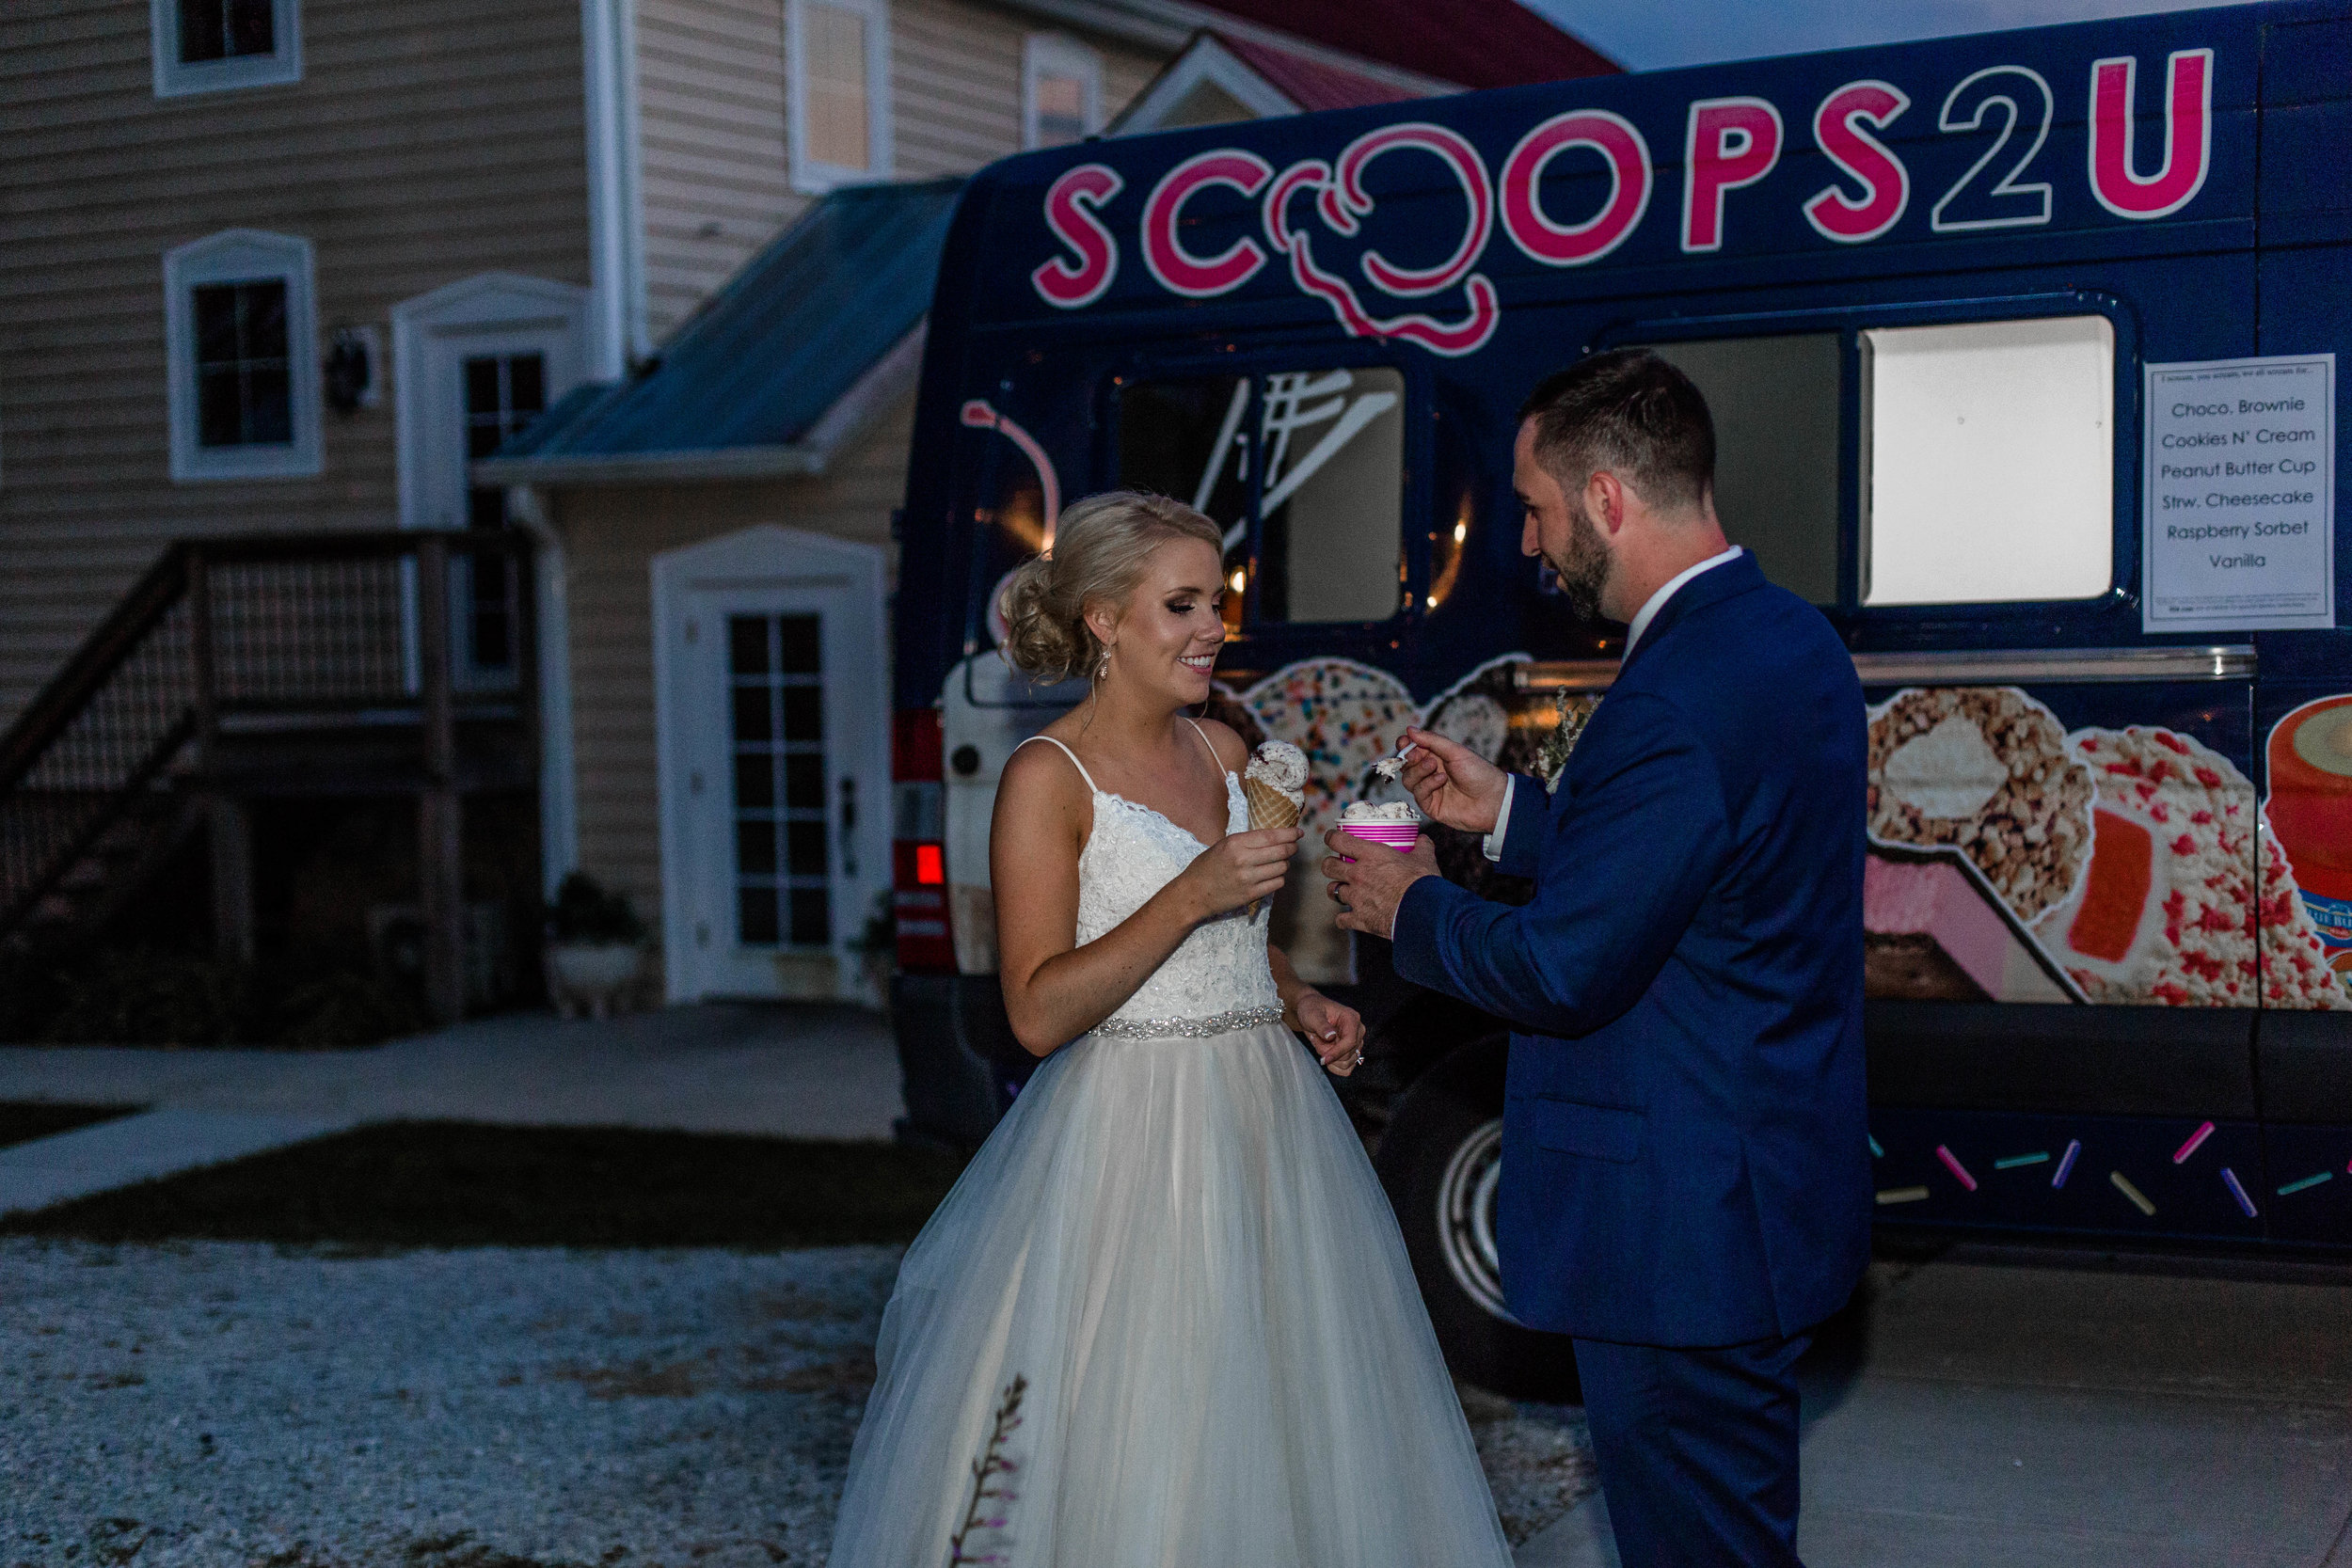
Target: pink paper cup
{"x": 1395, "y": 835}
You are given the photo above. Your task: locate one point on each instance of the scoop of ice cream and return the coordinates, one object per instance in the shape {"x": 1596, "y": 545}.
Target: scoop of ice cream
{"x": 1389, "y": 767}
{"x": 1280, "y": 765}
{"x": 1379, "y": 811}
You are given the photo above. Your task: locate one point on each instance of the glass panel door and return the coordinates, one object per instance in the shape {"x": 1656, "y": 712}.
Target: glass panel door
{"x": 777, "y": 723}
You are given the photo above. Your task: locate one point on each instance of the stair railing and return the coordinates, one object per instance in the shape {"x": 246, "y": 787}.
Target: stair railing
{"x": 255, "y": 630}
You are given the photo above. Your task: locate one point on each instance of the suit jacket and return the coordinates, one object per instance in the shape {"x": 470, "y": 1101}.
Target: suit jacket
{"x": 1685, "y": 1143}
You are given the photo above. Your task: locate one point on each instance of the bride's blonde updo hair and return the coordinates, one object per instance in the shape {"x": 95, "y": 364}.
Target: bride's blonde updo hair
{"x": 1100, "y": 545}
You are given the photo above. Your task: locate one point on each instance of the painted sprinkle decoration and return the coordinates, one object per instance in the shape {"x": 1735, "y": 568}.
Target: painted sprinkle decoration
{"x": 990, "y": 1495}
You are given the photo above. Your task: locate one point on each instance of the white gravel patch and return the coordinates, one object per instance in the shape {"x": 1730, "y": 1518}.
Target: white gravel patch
{"x": 217, "y": 1403}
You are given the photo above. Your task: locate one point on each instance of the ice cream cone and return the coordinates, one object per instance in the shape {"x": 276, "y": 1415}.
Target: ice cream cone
{"x": 1270, "y": 807}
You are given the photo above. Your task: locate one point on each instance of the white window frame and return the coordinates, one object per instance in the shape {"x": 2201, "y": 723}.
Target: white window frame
{"x": 809, "y": 175}
{"x": 174, "y": 78}
{"x": 242, "y": 256}
{"x": 1059, "y": 55}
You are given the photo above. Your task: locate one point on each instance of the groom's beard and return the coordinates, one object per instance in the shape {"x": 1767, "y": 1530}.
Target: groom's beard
{"x": 1583, "y": 565}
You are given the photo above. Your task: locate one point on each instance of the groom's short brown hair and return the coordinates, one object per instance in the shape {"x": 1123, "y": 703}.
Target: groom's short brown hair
{"x": 1629, "y": 411}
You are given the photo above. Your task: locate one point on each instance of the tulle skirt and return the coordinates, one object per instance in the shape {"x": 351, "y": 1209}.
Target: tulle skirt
{"x": 1179, "y": 1251}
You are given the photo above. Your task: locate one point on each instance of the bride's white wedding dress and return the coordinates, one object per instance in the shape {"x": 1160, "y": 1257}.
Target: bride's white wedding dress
{"x": 1174, "y": 1238}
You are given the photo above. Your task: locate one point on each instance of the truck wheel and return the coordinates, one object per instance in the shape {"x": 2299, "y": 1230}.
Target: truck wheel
{"x": 1440, "y": 1161}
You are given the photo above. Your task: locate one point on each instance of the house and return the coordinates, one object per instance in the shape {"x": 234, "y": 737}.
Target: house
{"x": 294, "y": 268}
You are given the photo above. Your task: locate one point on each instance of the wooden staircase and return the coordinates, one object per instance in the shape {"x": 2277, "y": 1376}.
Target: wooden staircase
{"x": 239, "y": 669}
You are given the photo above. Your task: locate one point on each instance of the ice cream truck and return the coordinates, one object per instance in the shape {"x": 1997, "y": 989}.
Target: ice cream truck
{"x": 2022, "y": 350}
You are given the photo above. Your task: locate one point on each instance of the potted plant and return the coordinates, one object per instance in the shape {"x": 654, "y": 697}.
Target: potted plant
{"x": 877, "y": 950}
{"x": 595, "y": 944}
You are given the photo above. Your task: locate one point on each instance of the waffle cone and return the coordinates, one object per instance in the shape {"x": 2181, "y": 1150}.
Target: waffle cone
{"x": 1269, "y": 807}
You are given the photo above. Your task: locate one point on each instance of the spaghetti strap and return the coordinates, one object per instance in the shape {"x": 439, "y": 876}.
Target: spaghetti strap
{"x": 1081, "y": 767}
{"x": 1218, "y": 761}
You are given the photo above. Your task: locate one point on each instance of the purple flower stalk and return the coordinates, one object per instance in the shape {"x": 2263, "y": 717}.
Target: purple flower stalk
{"x": 992, "y": 1462}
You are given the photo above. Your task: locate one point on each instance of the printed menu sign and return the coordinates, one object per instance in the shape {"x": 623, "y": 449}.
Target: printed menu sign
{"x": 2239, "y": 518}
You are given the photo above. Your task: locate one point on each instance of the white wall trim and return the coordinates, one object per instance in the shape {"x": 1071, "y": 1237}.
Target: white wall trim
{"x": 1207, "y": 61}
{"x": 240, "y": 256}
{"x": 653, "y": 468}
{"x": 1059, "y": 55}
{"x": 616, "y": 207}
{"x": 175, "y": 78}
{"x": 558, "y": 779}
{"x": 808, "y": 174}
{"x": 484, "y": 301}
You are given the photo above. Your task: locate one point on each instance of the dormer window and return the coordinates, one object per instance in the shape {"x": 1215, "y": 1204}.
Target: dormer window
{"x": 1061, "y": 90}
{"x": 840, "y": 92}
{"x": 213, "y": 46}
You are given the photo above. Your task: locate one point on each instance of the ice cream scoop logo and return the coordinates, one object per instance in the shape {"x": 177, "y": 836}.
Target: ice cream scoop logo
{"x": 1342, "y": 202}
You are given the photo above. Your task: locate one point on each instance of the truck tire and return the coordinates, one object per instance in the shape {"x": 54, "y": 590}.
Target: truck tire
{"x": 1439, "y": 1161}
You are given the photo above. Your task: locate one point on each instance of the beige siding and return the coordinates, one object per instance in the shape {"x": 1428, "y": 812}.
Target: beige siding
{"x": 956, "y": 83}
{"x": 426, "y": 142}
{"x": 715, "y": 131}
{"x": 611, "y": 536}
{"x": 711, "y": 114}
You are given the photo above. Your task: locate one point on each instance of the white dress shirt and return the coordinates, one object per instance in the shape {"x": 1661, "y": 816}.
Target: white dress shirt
{"x": 1492, "y": 844}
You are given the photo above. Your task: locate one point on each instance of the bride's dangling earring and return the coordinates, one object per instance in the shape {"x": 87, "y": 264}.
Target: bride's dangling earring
{"x": 1102, "y": 667}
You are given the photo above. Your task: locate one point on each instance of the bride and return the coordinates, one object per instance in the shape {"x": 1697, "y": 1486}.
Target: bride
{"x": 1165, "y": 1319}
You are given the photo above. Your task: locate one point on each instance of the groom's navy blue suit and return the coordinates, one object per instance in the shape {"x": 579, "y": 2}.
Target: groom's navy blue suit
{"x": 1685, "y": 1151}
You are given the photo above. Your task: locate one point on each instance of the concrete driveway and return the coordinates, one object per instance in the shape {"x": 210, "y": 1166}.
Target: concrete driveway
{"x": 803, "y": 1071}
{"x": 2003, "y": 1408}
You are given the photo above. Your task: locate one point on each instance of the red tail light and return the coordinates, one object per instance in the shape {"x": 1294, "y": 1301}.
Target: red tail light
{"x": 918, "y": 851}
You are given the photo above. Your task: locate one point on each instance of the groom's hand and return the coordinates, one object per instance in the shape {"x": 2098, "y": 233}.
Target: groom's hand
{"x": 1453, "y": 784}
{"x": 1369, "y": 889}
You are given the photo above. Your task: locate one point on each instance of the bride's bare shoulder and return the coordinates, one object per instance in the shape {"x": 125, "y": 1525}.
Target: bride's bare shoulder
{"x": 1230, "y": 748}
{"x": 1041, "y": 777}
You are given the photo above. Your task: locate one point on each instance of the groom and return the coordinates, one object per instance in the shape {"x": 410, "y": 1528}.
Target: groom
{"x": 1685, "y": 1181}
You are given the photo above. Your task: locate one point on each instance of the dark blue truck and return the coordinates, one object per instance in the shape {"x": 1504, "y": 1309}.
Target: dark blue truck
{"x": 2022, "y": 349}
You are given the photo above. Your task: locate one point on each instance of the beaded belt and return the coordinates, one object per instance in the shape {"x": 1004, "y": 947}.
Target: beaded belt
{"x": 1186, "y": 1028}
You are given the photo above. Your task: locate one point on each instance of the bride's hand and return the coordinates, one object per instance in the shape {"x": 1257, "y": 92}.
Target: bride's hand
{"x": 1239, "y": 869}
{"x": 1335, "y": 1031}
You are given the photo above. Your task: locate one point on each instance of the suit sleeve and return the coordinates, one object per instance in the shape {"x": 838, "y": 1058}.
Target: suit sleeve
{"x": 1625, "y": 861}
{"x": 1519, "y": 839}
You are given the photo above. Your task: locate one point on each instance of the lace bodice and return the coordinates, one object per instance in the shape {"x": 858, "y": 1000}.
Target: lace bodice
{"x": 1131, "y": 853}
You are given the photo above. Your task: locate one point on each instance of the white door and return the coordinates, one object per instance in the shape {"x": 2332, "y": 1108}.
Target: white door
{"x": 772, "y": 712}
{"x": 477, "y": 361}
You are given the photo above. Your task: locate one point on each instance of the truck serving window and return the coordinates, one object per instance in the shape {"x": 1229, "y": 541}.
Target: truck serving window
{"x": 1776, "y": 406}
{"x": 1305, "y": 470}
{"x": 1988, "y": 461}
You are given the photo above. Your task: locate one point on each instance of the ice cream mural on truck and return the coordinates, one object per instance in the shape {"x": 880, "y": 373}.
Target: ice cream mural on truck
{"x": 2022, "y": 349}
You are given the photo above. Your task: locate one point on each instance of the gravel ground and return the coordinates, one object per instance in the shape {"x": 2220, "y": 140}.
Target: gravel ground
{"x": 228, "y": 1403}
